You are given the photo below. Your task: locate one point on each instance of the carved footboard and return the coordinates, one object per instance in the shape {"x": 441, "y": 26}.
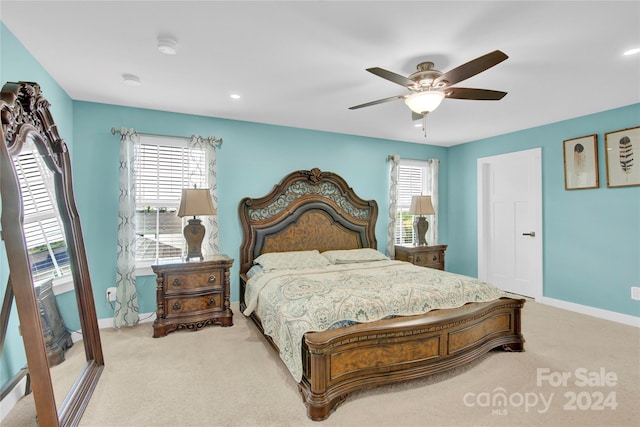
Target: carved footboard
{"x": 341, "y": 361}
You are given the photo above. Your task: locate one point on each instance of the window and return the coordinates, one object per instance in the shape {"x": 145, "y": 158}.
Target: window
{"x": 163, "y": 168}
{"x": 415, "y": 178}
{"x": 43, "y": 229}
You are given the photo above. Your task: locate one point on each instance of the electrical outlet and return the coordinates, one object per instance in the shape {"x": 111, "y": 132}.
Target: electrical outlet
{"x": 111, "y": 294}
{"x": 635, "y": 293}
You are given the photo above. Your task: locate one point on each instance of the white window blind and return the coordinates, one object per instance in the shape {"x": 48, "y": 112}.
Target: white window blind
{"x": 44, "y": 232}
{"x": 413, "y": 180}
{"x": 163, "y": 169}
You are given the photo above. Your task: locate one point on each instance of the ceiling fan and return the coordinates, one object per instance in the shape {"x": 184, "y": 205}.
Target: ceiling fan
{"x": 430, "y": 86}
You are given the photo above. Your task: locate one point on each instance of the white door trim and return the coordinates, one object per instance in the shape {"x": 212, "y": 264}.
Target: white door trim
{"x": 483, "y": 168}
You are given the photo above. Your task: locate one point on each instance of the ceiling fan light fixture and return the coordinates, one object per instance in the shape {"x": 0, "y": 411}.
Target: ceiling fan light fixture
{"x": 424, "y": 102}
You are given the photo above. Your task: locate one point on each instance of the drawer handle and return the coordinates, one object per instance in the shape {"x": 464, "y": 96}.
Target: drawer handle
{"x": 211, "y": 302}
{"x": 176, "y": 305}
{"x": 212, "y": 279}
{"x": 435, "y": 257}
{"x": 176, "y": 282}
{"x": 417, "y": 259}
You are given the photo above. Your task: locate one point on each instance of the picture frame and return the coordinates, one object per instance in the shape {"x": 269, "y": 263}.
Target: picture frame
{"x": 622, "y": 148}
{"x": 581, "y": 163}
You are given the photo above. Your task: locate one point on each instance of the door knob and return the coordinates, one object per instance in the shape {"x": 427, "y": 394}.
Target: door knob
{"x": 532, "y": 234}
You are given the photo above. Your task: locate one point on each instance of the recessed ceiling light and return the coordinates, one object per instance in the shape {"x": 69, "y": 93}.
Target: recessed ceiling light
{"x": 167, "y": 45}
{"x": 235, "y": 96}
{"x": 632, "y": 51}
{"x": 131, "y": 80}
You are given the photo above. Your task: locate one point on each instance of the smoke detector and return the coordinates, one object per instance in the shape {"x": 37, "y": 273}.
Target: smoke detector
{"x": 167, "y": 45}
{"x": 131, "y": 80}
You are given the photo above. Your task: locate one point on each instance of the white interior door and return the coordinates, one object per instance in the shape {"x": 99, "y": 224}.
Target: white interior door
{"x": 510, "y": 222}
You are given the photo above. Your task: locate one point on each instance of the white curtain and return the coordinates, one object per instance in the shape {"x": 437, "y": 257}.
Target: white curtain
{"x": 126, "y": 304}
{"x": 432, "y": 184}
{"x": 394, "y": 161}
{"x": 211, "y": 243}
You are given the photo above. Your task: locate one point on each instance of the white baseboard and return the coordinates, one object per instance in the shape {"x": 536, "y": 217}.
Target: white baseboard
{"x": 144, "y": 318}
{"x": 592, "y": 311}
{"x": 578, "y": 308}
{"x": 108, "y": 323}
{"x": 12, "y": 398}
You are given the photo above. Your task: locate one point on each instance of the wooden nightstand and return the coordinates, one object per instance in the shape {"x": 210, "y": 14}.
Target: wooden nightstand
{"x": 192, "y": 295}
{"x": 424, "y": 256}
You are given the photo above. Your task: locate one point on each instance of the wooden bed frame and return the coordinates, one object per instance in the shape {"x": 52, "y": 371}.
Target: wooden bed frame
{"x": 311, "y": 209}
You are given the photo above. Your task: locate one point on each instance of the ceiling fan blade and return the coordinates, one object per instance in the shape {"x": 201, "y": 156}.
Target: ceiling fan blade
{"x": 392, "y": 77}
{"x": 471, "y": 68}
{"x": 475, "y": 94}
{"x": 379, "y": 101}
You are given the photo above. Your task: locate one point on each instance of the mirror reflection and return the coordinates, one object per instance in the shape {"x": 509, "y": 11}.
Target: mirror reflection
{"x": 49, "y": 258}
{"x": 50, "y": 265}
{"x": 43, "y": 228}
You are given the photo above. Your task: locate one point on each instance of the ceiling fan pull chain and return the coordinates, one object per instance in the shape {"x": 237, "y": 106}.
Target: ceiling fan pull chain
{"x": 424, "y": 124}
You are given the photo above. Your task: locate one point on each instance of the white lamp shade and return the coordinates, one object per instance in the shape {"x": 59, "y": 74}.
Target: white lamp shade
{"x": 421, "y": 205}
{"x": 424, "y": 102}
{"x": 196, "y": 201}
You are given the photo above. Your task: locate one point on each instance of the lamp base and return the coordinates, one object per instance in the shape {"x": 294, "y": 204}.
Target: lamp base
{"x": 194, "y": 234}
{"x": 420, "y": 228}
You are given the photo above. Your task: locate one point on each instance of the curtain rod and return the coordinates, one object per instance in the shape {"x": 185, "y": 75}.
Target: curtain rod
{"x": 217, "y": 141}
{"x": 406, "y": 158}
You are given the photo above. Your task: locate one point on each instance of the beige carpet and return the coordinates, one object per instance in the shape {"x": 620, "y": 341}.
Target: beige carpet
{"x": 231, "y": 377}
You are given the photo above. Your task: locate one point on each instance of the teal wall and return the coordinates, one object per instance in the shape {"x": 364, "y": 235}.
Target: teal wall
{"x": 252, "y": 159}
{"x": 17, "y": 64}
{"x": 591, "y": 237}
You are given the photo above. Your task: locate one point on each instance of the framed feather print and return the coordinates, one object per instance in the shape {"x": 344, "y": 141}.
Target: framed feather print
{"x": 581, "y": 163}
{"x": 622, "y": 148}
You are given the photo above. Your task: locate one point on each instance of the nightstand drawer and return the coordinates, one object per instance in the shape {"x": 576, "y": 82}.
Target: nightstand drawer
{"x": 179, "y": 282}
{"x": 423, "y": 256}
{"x": 178, "y": 305}
{"x": 429, "y": 259}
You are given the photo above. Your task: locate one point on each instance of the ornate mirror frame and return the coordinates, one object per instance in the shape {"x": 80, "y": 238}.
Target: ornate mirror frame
{"x": 25, "y": 114}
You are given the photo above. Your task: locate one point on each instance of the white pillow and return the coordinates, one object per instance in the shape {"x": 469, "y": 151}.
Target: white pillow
{"x": 347, "y": 256}
{"x": 291, "y": 260}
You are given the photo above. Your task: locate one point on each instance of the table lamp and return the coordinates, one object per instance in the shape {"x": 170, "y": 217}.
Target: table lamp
{"x": 195, "y": 201}
{"x": 421, "y": 205}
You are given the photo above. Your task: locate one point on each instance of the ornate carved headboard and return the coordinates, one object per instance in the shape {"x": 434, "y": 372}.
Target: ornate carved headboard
{"x": 308, "y": 209}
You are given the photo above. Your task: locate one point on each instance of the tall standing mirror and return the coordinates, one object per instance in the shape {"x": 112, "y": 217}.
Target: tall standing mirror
{"x": 29, "y": 132}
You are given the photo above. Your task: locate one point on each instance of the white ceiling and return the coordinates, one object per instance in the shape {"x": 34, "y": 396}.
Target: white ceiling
{"x": 302, "y": 64}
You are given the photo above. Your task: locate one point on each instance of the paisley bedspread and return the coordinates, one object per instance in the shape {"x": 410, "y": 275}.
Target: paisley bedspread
{"x": 292, "y": 302}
